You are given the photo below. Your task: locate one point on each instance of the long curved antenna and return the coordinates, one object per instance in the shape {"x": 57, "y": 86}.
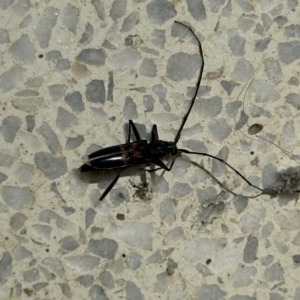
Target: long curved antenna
{"x": 177, "y": 137}
{"x": 286, "y": 152}
{"x": 224, "y": 162}
{"x": 246, "y": 88}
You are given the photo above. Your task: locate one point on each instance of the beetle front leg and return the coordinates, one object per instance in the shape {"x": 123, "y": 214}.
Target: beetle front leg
{"x": 162, "y": 165}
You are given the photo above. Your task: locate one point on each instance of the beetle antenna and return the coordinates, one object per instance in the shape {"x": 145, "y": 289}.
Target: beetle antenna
{"x": 224, "y": 162}
{"x": 177, "y": 137}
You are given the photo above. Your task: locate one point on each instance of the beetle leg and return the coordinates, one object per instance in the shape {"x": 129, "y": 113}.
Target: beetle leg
{"x": 111, "y": 185}
{"x": 136, "y": 133}
{"x": 154, "y": 134}
{"x": 162, "y": 165}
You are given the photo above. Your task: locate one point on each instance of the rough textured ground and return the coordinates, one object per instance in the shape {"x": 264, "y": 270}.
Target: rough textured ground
{"x": 71, "y": 76}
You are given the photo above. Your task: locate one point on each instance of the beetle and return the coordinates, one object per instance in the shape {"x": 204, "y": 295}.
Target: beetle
{"x": 143, "y": 152}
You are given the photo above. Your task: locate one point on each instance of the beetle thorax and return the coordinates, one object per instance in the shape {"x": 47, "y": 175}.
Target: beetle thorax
{"x": 163, "y": 148}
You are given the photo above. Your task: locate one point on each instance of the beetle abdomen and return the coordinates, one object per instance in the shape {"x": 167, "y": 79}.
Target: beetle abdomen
{"x": 107, "y": 158}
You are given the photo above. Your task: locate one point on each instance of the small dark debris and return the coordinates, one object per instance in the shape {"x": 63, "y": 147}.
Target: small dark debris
{"x": 120, "y": 217}
{"x": 133, "y": 41}
{"x": 288, "y": 181}
{"x": 170, "y": 270}
{"x": 143, "y": 191}
{"x": 255, "y": 128}
{"x": 28, "y": 292}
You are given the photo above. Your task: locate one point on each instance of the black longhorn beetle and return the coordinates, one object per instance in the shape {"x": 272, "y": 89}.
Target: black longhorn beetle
{"x": 141, "y": 151}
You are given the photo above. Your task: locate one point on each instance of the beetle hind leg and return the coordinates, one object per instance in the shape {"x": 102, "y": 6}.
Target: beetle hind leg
{"x": 135, "y": 131}
{"x": 111, "y": 185}
{"x": 154, "y": 134}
